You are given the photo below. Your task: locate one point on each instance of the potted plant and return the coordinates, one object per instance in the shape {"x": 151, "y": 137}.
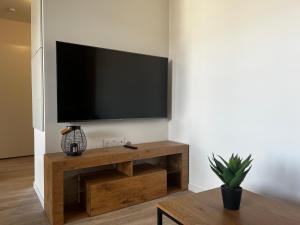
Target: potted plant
{"x": 232, "y": 173}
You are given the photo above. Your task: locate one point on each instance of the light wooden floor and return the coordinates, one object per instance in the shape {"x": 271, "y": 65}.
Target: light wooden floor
{"x": 19, "y": 204}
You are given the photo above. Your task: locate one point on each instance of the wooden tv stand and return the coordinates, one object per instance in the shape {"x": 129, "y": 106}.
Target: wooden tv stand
{"x": 173, "y": 157}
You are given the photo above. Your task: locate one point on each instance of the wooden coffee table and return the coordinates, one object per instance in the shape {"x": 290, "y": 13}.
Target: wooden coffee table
{"x": 206, "y": 208}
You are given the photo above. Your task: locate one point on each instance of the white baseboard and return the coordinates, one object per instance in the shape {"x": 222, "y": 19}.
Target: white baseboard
{"x": 194, "y": 188}
{"x": 38, "y": 193}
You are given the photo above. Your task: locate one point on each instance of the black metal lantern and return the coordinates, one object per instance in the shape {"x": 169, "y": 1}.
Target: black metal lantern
{"x": 73, "y": 142}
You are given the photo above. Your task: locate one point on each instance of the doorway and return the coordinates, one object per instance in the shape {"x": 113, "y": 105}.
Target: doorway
{"x": 16, "y": 132}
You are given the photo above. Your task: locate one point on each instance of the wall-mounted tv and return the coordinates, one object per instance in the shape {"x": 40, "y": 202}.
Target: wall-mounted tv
{"x": 98, "y": 83}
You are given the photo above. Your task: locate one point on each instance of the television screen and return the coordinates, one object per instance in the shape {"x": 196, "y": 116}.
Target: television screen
{"x": 97, "y": 83}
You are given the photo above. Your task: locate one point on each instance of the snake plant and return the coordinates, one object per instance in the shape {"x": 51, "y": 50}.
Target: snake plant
{"x": 233, "y": 172}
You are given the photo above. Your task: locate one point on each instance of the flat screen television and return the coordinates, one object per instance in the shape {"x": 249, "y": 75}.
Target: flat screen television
{"x": 98, "y": 83}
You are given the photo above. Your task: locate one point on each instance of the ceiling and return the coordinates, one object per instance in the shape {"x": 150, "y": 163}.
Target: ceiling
{"x": 22, "y": 10}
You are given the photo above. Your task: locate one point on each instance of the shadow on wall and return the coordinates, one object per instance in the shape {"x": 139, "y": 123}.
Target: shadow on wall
{"x": 287, "y": 188}
{"x": 170, "y": 78}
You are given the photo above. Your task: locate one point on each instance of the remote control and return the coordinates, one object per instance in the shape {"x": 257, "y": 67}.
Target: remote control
{"x": 130, "y": 146}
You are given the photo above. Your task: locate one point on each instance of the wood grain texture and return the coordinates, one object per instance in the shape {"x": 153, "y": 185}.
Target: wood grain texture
{"x": 19, "y": 204}
{"x": 107, "y": 195}
{"x": 126, "y": 168}
{"x": 59, "y": 163}
{"x": 54, "y": 191}
{"x": 103, "y": 156}
{"x": 206, "y": 208}
{"x": 184, "y": 170}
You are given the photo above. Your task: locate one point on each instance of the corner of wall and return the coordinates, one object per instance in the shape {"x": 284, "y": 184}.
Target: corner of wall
{"x": 195, "y": 188}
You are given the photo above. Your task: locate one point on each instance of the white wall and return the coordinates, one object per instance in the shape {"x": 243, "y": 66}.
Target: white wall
{"x": 37, "y": 74}
{"x": 132, "y": 25}
{"x": 140, "y": 26}
{"x": 236, "y": 88}
{"x": 16, "y": 133}
{"x": 39, "y": 151}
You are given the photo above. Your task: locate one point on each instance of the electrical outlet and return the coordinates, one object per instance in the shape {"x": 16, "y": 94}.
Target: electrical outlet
{"x": 110, "y": 142}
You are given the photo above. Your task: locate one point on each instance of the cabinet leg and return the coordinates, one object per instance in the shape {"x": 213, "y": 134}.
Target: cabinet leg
{"x": 159, "y": 216}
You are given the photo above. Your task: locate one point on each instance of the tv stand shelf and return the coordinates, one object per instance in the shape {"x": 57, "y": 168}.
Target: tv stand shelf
{"x": 172, "y": 158}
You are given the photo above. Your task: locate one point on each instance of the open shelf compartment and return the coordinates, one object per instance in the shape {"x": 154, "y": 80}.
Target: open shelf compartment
{"x": 171, "y": 163}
